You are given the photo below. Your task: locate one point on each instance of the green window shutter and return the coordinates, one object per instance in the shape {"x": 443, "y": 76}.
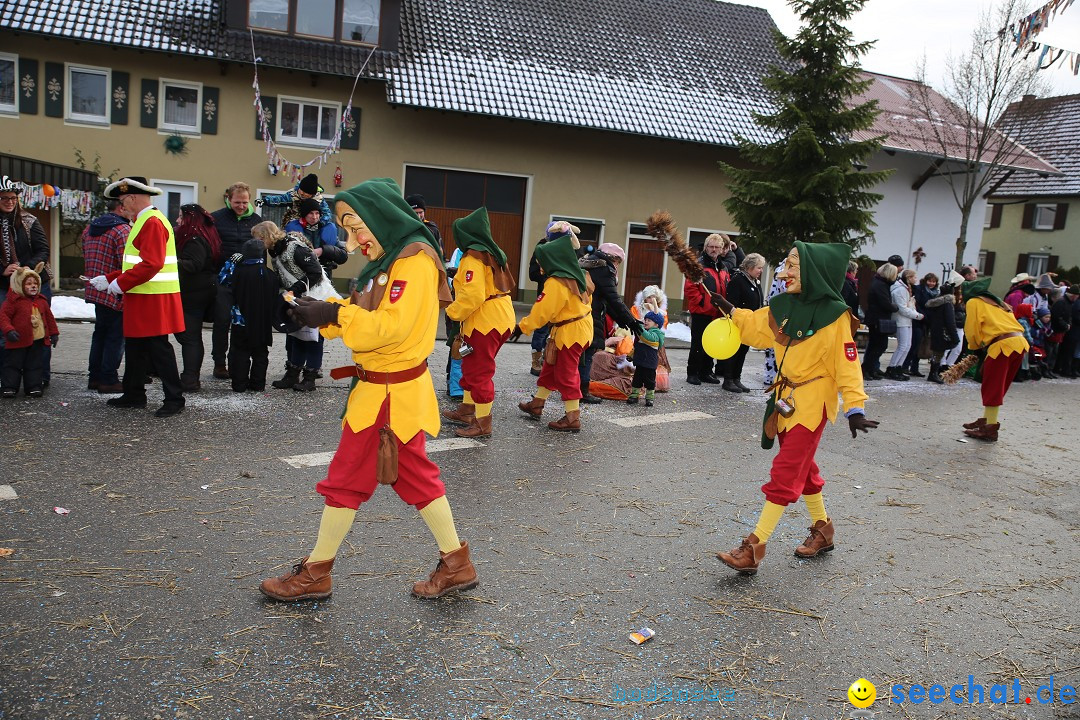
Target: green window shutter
{"x": 1021, "y": 263}
{"x": 269, "y": 105}
{"x": 54, "y": 89}
{"x": 121, "y": 97}
{"x": 988, "y": 266}
{"x": 1029, "y": 217}
{"x": 350, "y": 134}
{"x": 148, "y": 103}
{"x": 211, "y": 106}
{"x": 1059, "y": 216}
{"x": 995, "y": 215}
{"x": 29, "y": 85}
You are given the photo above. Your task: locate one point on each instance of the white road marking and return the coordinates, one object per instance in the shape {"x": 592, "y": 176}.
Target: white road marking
{"x": 649, "y": 419}
{"x": 433, "y": 446}
{"x": 8, "y": 493}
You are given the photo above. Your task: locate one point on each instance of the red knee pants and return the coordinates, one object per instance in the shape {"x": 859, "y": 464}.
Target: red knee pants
{"x": 478, "y": 367}
{"x": 563, "y": 375}
{"x": 351, "y": 478}
{"x": 794, "y": 472}
{"x": 997, "y": 375}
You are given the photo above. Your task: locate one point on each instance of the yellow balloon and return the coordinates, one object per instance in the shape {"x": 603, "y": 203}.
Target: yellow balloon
{"x": 721, "y": 338}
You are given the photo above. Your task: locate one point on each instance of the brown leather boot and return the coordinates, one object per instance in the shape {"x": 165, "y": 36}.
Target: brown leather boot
{"x": 461, "y": 415}
{"x": 975, "y": 425}
{"x": 479, "y": 427}
{"x": 454, "y": 572}
{"x": 537, "y": 363}
{"x": 534, "y": 408}
{"x": 819, "y": 540}
{"x": 570, "y": 422}
{"x": 306, "y": 581}
{"x": 989, "y": 433}
{"x": 746, "y": 557}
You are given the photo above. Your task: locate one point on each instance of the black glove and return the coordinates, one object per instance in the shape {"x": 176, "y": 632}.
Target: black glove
{"x": 313, "y": 313}
{"x": 13, "y": 336}
{"x": 515, "y": 334}
{"x": 721, "y": 303}
{"x": 859, "y": 422}
{"x": 451, "y": 272}
{"x": 298, "y": 288}
{"x": 53, "y": 340}
{"x": 637, "y": 328}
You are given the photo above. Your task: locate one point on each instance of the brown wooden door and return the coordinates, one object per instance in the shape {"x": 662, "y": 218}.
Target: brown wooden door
{"x": 644, "y": 266}
{"x": 506, "y": 230}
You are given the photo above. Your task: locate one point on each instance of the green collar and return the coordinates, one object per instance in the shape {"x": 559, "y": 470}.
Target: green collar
{"x": 473, "y": 232}
{"x": 557, "y": 258}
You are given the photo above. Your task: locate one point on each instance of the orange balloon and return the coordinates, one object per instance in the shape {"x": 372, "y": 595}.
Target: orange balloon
{"x": 48, "y": 190}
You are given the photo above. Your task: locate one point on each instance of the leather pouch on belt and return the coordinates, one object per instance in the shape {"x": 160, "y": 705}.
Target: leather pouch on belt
{"x": 386, "y": 461}
{"x": 550, "y": 352}
{"x": 455, "y": 348}
{"x": 769, "y": 423}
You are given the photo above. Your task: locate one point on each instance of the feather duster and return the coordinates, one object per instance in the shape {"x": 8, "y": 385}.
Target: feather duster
{"x": 662, "y": 227}
{"x": 958, "y": 370}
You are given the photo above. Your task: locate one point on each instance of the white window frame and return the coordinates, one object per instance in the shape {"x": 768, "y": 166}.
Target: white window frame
{"x": 1035, "y": 220}
{"x": 283, "y": 139}
{"x": 1038, "y": 263}
{"x": 981, "y": 265}
{"x": 988, "y": 218}
{"x": 169, "y": 128}
{"x": 81, "y": 118}
{"x": 13, "y": 108}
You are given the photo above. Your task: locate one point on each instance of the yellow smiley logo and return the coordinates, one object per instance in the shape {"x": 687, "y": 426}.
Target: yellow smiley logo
{"x": 862, "y": 693}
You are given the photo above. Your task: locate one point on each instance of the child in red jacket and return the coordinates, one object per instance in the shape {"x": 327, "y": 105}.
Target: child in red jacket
{"x": 28, "y": 325}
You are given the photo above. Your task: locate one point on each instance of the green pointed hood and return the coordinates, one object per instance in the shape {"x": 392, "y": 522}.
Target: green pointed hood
{"x": 394, "y": 224}
{"x": 473, "y": 232}
{"x": 557, "y": 258}
{"x": 979, "y": 288}
{"x": 822, "y": 267}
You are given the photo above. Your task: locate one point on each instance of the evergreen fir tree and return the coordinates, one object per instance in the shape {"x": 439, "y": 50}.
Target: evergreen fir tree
{"x": 804, "y": 185}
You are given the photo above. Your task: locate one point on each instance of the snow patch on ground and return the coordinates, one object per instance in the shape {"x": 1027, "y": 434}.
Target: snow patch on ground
{"x": 67, "y": 307}
{"x": 677, "y": 331}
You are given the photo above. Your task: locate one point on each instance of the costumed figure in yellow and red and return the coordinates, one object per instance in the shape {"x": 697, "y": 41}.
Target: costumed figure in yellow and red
{"x": 565, "y": 304}
{"x": 150, "y": 283}
{"x": 482, "y": 304}
{"x": 810, "y": 328}
{"x": 390, "y": 328}
{"x": 990, "y": 326}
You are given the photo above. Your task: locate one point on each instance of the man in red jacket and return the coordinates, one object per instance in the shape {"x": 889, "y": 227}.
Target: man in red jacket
{"x": 699, "y": 366}
{"x": 150, "y": 283}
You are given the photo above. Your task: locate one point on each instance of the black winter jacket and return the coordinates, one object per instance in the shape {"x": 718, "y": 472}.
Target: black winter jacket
{"x": 31, "y": 246}
{"x": 605, "y": 299}
{"x": 233, "y": 231}
{"x": 879, "y": 304}
{"x": 743, "y": 291}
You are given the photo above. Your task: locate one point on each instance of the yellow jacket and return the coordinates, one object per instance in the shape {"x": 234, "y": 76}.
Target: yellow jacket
{"x": 985, "y": 321}
{"x": 829, "y": 354}
{"x": 555, "y": 304}
{"x": 398, "y": 335}
{"x": 473, "y": 285}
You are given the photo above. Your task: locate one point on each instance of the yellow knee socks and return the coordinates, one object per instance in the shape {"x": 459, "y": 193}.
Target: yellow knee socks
{"x": 816, "y": 505}
{"x": 543, "y": 392}
{"x": 571, "y": 405}
{"x": 335, "y": 525}
{"x": 440, "y": 521}
{"x": 483, "y": 409}
{"x": 767, "y": 522}
{"x": 466, "y": 397}
{"x": 991, "y": 413}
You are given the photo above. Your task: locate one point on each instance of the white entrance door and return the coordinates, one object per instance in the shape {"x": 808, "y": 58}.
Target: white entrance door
{"x": 175, "y": 195}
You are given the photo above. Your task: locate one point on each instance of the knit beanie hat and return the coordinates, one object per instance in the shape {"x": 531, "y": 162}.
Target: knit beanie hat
{"x": 612, "y": 250}
{"x": 310, "y": 184}
{"x": 309, "y": 205}
{"x": 656, "y": 318}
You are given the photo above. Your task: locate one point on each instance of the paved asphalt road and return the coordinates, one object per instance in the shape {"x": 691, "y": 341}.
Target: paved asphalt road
{"x": 952, "y": 559}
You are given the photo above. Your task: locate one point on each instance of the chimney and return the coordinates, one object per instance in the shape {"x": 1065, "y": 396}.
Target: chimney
{"x": 1029, "y": 98}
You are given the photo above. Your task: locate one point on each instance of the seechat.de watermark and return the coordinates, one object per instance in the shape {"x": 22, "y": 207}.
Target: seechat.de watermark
{"x": 662, "y": 693}
{"x": 973, "y": 693}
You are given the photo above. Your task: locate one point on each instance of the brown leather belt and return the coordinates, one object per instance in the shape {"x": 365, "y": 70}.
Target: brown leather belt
{"x": 379, "y": 378}
{"x": 1006, "y": 336}
{"x": 573, "y": 319}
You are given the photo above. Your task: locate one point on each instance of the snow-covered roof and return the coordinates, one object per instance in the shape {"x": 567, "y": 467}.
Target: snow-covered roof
{"x": 907, "y": 131}
{"x": 1050, "y": 127}
{"x": 688, "y": 70}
